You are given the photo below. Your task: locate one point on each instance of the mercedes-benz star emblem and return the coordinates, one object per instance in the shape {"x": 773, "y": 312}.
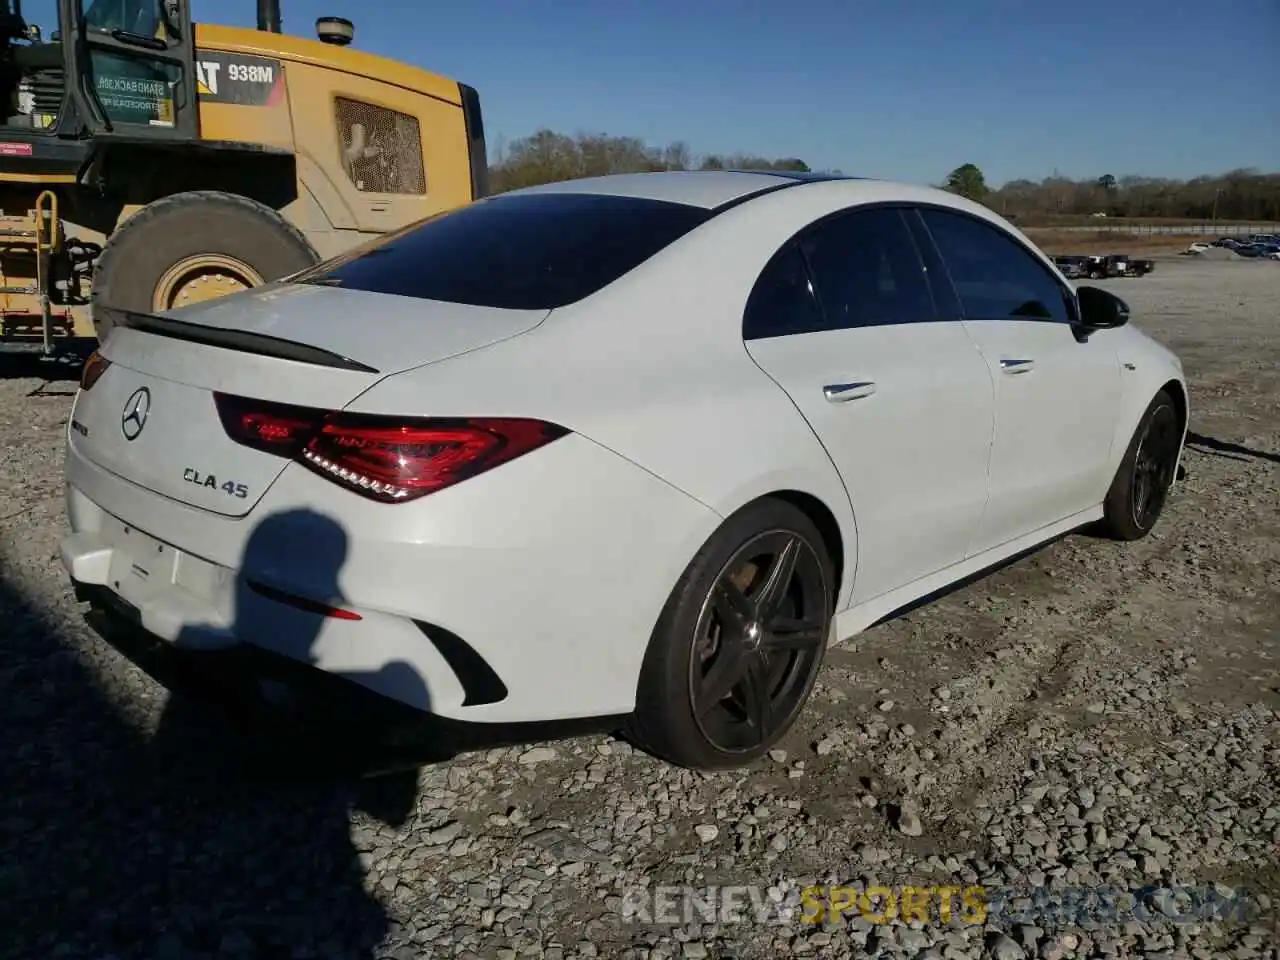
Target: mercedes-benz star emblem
{"x": 135, "y": 413}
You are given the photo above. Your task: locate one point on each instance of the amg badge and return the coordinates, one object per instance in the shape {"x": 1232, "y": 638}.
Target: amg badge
{"x": 191, "y": 475}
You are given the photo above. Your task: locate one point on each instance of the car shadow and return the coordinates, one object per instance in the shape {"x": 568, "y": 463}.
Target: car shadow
{"x": 205, "y": 839}
{"x": 1224, "y": 448}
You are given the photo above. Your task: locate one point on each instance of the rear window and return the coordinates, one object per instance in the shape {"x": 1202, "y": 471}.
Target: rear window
{"x": 530, "y": 252}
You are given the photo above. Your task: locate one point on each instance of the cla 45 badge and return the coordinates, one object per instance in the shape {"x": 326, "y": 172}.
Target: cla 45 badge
{"x": 192, "y": 475}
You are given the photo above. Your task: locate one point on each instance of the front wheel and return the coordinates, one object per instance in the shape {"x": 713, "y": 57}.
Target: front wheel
{"x": 735, "y": 653}
{"x": 1141, "y": 486}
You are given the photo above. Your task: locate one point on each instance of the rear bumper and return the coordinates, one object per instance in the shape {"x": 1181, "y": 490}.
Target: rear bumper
{"x": 493, "y": 602}
{"x": 347, "y": 721}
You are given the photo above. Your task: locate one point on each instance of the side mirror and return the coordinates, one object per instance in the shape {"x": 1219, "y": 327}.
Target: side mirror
{"x": 1100, "y": 309}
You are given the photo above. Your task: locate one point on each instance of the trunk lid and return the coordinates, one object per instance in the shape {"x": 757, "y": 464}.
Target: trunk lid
{"x": 151, "y": 417}
{"x": 386, "y": 332}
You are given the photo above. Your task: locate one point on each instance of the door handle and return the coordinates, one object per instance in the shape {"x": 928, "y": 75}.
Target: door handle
{"x": 842, "y": 392}
{"x": 1012, "y": 367}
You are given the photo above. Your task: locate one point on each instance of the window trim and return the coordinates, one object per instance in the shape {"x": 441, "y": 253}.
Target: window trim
{"x": 1067, "y": 293}
{"x": 903, "y": 209}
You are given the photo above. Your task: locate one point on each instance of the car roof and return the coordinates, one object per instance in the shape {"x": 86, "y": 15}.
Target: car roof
{"x": 718, "y": 189}
{"x": 699, "y": 188}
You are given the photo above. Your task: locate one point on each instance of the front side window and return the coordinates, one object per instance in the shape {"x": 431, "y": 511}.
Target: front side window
{"x": 521, "y": 251}
{"x": 867, "y": 272}
{"x": 141, "y": 18}
{"x": 995, "y": 278}
{"x": 132, "y": 88}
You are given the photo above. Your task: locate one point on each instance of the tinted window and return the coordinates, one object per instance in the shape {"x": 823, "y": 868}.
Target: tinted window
{"x": 994, "y": 275}
{"x": 530, "y": 252}
{"x": 866, "y": 270}
{"x": 944, "y": 294}
{"x": 782, "y": 300}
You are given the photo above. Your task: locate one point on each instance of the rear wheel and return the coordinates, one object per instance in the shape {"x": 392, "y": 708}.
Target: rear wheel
{"x": 192, "y": 247}
{"x": 1141, "y": 486}
{"x": 735, "y": 653}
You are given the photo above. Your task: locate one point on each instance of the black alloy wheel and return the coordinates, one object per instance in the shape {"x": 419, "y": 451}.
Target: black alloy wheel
{"x": 1154, "y": 466}
{"x": 738, "y": 646}
{"x": 1140, "y": 489}
{"x": 758, "y": 640}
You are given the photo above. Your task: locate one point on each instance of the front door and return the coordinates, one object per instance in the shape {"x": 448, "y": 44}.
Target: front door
{"x": 130, "y": 67}
{"x": 843, "y": 320}
{"x": 1056, "y": 395}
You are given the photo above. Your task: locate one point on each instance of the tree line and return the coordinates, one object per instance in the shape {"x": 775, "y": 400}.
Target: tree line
{"x": 1244, "y": 194}
{"x": 546, "y": 157}
{"x": 1241, "y": 194}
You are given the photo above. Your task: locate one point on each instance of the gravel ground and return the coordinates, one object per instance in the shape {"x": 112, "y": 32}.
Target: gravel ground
{"x": 1097, "y": 715}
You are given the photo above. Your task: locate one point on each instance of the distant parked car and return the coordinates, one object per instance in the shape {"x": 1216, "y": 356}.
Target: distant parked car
{"x": 1199, "y": 247}
{"x": 1072, "y": 267}
{"x": 1099, "y": 267}
{"x": 1140, "y": 268}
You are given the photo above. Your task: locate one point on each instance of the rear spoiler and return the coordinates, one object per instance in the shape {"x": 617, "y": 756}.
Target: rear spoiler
{"x": 244, "y": 341}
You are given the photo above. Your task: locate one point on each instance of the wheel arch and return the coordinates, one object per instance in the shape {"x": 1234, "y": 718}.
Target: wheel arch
{"x": 826, "y": 522}
{"x": 832, "y": 515}
{"x": 1178, "y": 391}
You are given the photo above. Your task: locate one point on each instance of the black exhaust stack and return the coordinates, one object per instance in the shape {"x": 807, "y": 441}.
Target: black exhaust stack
{"x": 269, "y": 16}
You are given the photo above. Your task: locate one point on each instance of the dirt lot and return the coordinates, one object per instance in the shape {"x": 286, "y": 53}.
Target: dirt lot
{"x": 1086, "y": 243}
{"x": 1097, "y": 714}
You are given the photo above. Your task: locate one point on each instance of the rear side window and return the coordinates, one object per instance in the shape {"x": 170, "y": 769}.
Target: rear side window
{"x": 867, "y": 272}
{"x": 782, "y": 301}
{"x": 994, "y": 276}
{"x": 521, "y": 252}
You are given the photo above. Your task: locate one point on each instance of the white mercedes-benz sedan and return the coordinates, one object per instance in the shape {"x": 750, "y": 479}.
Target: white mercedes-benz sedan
{"x": 633, "y": 448}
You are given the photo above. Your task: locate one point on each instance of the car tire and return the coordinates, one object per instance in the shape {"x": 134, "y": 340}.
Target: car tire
{"x": 229, "y": 237}
{"x": 726, "y": 620}
{"x": 1141, "y": 485}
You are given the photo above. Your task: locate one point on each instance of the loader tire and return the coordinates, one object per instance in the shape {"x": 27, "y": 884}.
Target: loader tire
{"x": 190, "y": 247}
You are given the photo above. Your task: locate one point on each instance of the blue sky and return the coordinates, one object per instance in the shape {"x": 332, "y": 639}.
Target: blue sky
{"x": 904, "y": 90}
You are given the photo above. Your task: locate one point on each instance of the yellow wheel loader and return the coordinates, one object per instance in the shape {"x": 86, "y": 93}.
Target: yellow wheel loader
{"x": 147, "y": 162}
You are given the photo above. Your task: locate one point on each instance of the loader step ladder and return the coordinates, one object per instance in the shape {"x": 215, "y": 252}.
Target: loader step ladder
{"x": 39, "y": 231}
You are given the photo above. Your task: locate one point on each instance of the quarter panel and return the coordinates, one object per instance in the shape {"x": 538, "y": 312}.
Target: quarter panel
{"x": 704, "y": 418}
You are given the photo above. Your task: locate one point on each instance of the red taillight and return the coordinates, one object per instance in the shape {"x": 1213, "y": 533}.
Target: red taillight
{"x": 385, "y": 459}
{"x": 272, "y": 427}
{"x": 94, "y": 367}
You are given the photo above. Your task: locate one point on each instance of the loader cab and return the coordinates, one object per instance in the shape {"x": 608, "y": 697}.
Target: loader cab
{"x": 120, "y": 69}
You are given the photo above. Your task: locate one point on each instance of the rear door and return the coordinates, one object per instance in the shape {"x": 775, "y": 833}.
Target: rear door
{"x": 843, "y": 320}
{"x": 1056, "y": 394}
{"x": 130, "y": 67}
